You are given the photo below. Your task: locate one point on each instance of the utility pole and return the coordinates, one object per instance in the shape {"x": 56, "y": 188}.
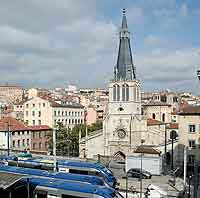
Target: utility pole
{"x": 8, "y": 137}
{"x": 196, "y": 181}
{"x": 185, "y": 165}
{"x": 54, "y": 150}
{"x": 165, "y": 156}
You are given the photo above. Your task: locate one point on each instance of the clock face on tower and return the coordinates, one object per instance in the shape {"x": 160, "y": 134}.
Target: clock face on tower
{"x": 121, "y": 133}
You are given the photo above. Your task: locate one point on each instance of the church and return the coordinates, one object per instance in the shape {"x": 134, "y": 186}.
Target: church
{"x": 124, "y": 125}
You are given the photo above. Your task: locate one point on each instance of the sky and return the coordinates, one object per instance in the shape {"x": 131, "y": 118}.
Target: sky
{"x": 52, "y": 43}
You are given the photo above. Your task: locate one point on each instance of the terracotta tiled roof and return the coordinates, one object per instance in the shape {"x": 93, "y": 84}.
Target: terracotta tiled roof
{"x": 55, "y": 104}
{"x": 151, "y": 121}
{"x": 173, "y": 126}
{"x": 156, "y": 103}
{"x": 14, "y": 124}
{"x": 190, "y": 110}
{"x": 39, "y": 128}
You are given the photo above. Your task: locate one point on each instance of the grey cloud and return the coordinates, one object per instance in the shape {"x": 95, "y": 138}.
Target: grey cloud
{"x": 51, "y": 43}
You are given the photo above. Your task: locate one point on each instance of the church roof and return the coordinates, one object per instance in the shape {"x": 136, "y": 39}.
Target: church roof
{"x": 151, "y": 122}
{"x": 124, "y": 69}
{"x": 156, "y": 103}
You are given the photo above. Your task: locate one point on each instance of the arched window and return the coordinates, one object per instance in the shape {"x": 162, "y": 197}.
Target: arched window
{"x": 123, "y": 93}
{"x": 163, "y": 117}
{"x": 114, "y": 92}
{"x": 127, "y": 93}
{"x": 118, "y": 93}
{"x": 137, "y": 94}
{"x": 134, "y": 93}
{"x": 154, "y": 116}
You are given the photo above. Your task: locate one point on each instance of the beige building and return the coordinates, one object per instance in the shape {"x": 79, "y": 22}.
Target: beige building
{"x": 45, "y": 111}
{"x": 11, "y": 94}
{"x": 158, "y": 110}
{"x": 189, "y": 130}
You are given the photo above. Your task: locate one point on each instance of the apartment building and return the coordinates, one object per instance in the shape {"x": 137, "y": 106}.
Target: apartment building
{"x": 23, "y": 137}
{"x": 11, "y": 94}
{"x": 189, "y": 132}
{"x": 46, "y": 111}
{"x": 40, "y": 137}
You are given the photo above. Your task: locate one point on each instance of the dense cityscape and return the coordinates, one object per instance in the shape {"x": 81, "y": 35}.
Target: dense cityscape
{"x": 116, "y": 141}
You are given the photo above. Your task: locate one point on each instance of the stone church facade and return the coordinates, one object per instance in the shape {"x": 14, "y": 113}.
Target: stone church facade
{"x": 124, "y": 126}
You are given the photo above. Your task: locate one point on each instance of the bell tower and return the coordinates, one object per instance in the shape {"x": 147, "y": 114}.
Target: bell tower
{"x": 124, "y": 89}
{"x": 123, "y": 116}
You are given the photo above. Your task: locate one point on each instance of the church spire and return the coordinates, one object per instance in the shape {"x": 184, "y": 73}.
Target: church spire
{"x": 124, "y": 69}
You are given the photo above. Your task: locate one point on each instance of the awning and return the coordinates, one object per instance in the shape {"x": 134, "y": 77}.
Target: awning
{"x": 8, "y": 179}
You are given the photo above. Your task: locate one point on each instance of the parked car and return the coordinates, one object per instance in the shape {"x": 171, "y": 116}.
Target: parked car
{"x": 136, "y": 172}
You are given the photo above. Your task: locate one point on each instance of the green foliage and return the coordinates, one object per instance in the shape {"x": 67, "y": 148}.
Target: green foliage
{"x": 67, "y": 140}
{"x": 95, "y": 126}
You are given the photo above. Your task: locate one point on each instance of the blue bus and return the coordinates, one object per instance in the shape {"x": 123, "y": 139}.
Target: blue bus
{"x": 58, "y": 175}
{"x": 54, "y": 188}
{"x": 76, "y": 167}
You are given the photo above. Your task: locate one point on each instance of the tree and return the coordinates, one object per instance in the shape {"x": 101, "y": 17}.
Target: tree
{"x": 67, "y": 140}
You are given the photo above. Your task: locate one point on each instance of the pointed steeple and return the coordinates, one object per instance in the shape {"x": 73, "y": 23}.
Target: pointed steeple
{"x": 124, "y": 21}
{"x": 124, "y": 69}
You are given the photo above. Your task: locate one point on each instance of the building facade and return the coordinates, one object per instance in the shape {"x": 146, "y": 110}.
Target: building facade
{"x": 158, "y": 110}
{"x": 189, "y": 133}
{"x": 45, "y": 111}
{"x": 17, "y": 136}
{"x": 11, "y": 94}
{"x": 40, "y": 138}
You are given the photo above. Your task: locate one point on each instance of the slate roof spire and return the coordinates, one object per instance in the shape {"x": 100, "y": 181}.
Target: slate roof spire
{"x": 124, "y": 69}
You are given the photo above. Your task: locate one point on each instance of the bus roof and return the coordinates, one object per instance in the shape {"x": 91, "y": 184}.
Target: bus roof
{"x": 58, "y": 175}
{"x": 66, "y": 163}
{"x": 72, "y": 186}
{"x": 82, "y": 164}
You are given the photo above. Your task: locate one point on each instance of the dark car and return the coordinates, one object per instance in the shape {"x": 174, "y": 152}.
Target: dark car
{"x": 136, "y": 172}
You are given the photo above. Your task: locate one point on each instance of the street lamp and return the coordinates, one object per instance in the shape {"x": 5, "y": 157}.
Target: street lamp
{"x": 54, "y": 149}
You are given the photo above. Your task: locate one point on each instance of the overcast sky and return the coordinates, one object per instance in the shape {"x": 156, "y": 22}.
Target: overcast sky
{"x": 53, "y": 43}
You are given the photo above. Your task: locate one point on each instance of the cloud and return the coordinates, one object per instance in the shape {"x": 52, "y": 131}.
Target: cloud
{"x": 152, "y": 40}
{"x": 184, "y": 10}
{"x": 51, "y": 43}
{"x": 172, "y": 69}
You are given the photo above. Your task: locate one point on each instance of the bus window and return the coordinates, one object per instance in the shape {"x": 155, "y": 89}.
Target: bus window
{"x": 41, "y": 194}
{"x": 78, "y": 171}
{"x": 70, "y": 196}
{"x": 94, "y": 173}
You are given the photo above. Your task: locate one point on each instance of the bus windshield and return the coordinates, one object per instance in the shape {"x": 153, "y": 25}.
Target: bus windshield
{"x": 117, "y": 195}
{"x": 107, "y": 171}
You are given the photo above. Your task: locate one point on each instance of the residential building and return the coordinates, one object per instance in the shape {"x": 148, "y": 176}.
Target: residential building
{"x": 189, "y": 133}
{"x": 158, "y": 110}
{"x": 11, "y": 94}
{"x": 22, "y": 137}
{"x": 40, "y": 137}
{"x": 46, "y": 111}
{"x": 19, "y": 134}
